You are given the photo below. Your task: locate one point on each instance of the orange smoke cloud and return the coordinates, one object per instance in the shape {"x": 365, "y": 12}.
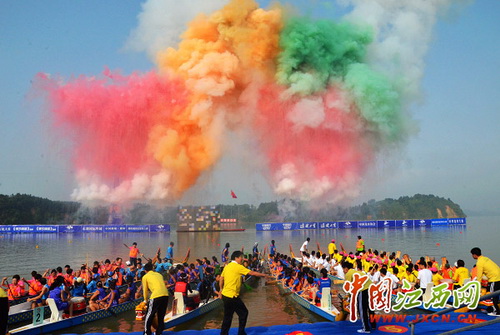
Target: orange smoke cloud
{"x": 214, "y": 59}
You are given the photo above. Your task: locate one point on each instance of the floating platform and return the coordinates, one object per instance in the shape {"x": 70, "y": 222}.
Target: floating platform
{"x": 210, "y": 230}
{"x": 386, "y": 324}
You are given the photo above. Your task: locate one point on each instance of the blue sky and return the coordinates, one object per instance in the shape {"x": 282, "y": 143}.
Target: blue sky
{"x": 455, "y": 153}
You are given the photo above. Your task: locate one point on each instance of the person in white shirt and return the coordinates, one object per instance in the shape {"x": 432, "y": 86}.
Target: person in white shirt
{"x": 304, "y": 245}
{"x": 318, "y": 262}
{"x": 424, "y": 276}
{"x": 386, "y": 274}
{"x": 339, "y": 271}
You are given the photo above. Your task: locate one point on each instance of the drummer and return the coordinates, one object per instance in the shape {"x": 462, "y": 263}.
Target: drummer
{"x": 182, "y": 286}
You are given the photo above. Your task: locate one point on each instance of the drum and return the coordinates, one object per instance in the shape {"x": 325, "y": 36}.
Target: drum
{"x": 79, "y": 305}
{"x": 193, "y": 293}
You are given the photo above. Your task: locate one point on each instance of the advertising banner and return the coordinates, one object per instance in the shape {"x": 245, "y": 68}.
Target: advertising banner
{"x": 46, "y": 229}
{"x": 114, "y": 228}
{"x": 307, "y": 225}
{"x": 404, "y": 223}
{"x": 347, "y": 224}
{"x": 24, "y": 229}
{"x": 137, "y": 229}
{"x": 159, "y": 228}
{"x": 386, "y": 223}
{"x": 367, "y": 224}
{"x": 92, "y": 229}
{"x": 327, "y": 225}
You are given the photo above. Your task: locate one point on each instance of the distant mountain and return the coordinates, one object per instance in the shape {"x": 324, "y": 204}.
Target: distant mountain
{"x": 26, "y": 209}
{"x": 19, "y": 209}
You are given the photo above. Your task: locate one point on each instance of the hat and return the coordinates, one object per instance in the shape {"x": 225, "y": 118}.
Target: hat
{"x": 128, "y": 263}
{"x": 333, "y": 241}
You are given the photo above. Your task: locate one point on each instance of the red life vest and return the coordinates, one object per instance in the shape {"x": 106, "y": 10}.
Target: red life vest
{"x": 181, "y": 286}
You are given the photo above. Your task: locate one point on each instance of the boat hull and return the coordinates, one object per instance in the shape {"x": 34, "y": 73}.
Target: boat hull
{"x": 25, "y": 316}
{"x": 173, "y": 321}
{"x": 47, "y": 326}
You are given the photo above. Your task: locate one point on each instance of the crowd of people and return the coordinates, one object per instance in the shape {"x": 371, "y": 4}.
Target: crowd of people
{"x": 107, "y": 283}
{"x": 421, "y": 273}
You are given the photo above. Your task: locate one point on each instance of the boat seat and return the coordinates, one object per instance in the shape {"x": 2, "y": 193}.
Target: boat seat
{"x": 326, "y": 298}
{"x": 428, "y": 292}
{"x": 56, "y": 314}
{"x": 22, "y": 307}
{"x": 180, "y": 302}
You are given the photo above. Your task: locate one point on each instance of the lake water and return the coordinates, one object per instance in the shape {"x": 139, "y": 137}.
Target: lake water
{"x": 22, "y": 253}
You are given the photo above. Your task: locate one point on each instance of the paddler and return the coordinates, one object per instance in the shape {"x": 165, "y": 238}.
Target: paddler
{"x": 331, "y": 248}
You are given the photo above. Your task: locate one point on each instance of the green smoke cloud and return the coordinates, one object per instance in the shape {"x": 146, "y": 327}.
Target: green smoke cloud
{"x": 314, "y": 52}
{"x": 377, "y": 100}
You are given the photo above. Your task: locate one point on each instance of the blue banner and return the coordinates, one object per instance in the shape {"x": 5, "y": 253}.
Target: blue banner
{"x": 327, "y": 225}
{"x": 263, "y": 226}
{"x": 137, "y": 229}
{"x": 386, "y": 223}
{"x": 92, "y": 229}
{"x": 307, "y": 225}
{"x": 5, "y": 229}
{"x": 439, "y": 222}
{"x": 457, "y": 221}
{"x": 367, "y": 224}
{"x": 70, "y": 229}
{"x": 23, "y": 229}
{"x": 157, "y": 228}
{"x": 113, "y": 228}
{"x": 347, "y": 224}
{"x": 421, "y": 223}
{"x": 46, "y": 229}
{"x": 404, "y": 223}
{"x": 288, "y": 226}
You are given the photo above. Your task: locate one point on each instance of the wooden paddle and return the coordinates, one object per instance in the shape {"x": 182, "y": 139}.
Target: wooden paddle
{"x": 319, "y": 248}
{"x": 291, "y": 251}
{"x": 271, "y": 282}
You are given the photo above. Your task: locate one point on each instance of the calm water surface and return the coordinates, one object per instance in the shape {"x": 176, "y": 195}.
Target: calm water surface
{"x": 22, "y": 253}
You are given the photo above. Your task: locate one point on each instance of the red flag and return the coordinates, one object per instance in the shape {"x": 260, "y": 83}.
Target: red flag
{"x": 233, "y": 195}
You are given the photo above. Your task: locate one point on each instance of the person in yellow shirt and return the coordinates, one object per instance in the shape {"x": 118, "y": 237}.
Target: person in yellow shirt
{"x": 157, "y": 300}
{"x": 436, "y": 276}
{"x": 4, "y": 311}
{"x": 331, "y": 248}
{"x": 362, "y": 299}
{"x": 490, "y": 269}
{"x": 230, "y": 284}
{"x": 360, "y": 244}
{"x": 409, "y": 275}
{"x": 461, "y": 273}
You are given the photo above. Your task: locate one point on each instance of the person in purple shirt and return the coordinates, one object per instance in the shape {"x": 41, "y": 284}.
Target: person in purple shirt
{"x": 60, "y": 297}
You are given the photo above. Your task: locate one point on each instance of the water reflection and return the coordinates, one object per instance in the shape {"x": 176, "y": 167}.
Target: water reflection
{"x": 19, "y": 254}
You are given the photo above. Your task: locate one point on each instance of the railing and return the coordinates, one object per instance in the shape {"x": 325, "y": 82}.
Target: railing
{"x": 413, "y": 323}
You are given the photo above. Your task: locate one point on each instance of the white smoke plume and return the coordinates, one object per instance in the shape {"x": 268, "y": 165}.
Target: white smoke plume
{"x": 403, "y": 32}
{"x": 162, "y": 22}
